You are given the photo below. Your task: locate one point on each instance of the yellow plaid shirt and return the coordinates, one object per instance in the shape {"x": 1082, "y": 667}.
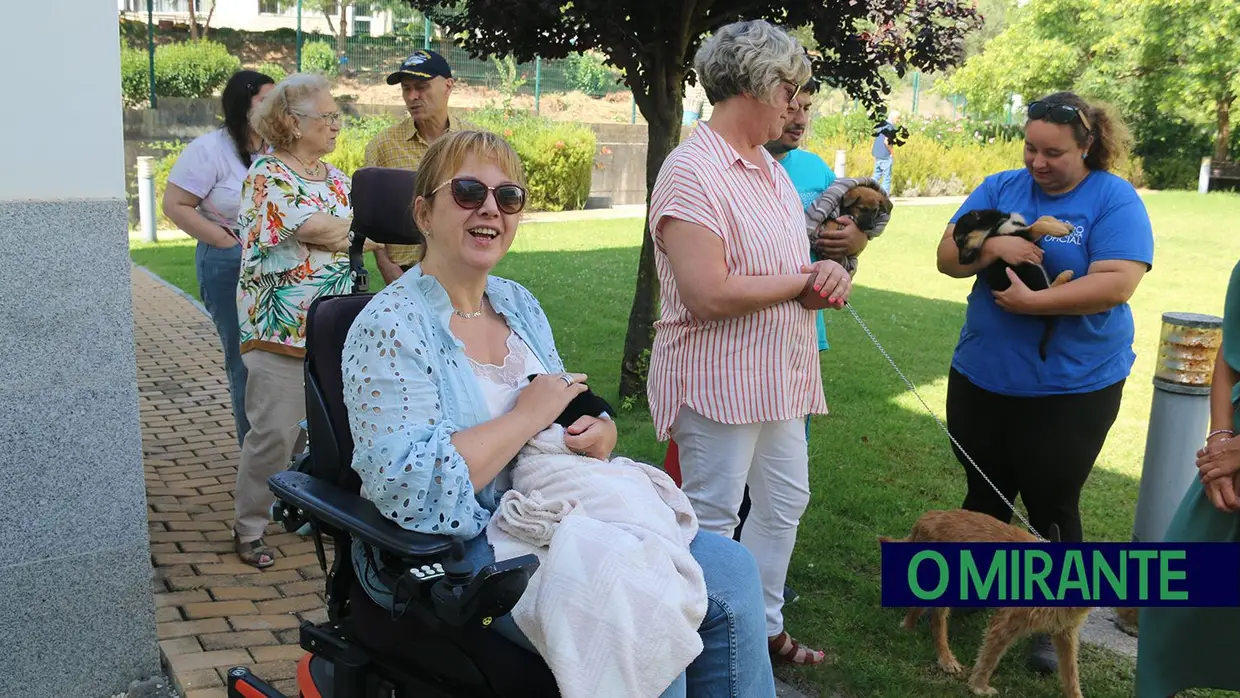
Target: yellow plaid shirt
{"x": 402, "y": 146}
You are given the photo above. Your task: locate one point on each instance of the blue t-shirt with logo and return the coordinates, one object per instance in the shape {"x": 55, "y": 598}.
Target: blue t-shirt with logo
{"x": 811, "y": 177}
{"x": 998, "y": 350}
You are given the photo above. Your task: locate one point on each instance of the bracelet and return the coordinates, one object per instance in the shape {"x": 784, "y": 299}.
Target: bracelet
{"x": 1216, "y": 432}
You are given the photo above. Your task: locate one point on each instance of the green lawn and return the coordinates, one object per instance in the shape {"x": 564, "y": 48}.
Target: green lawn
{"x": 878, "y": 460}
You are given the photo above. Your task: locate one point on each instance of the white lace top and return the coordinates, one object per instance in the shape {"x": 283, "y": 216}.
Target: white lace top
{"x": 501, "y": 384}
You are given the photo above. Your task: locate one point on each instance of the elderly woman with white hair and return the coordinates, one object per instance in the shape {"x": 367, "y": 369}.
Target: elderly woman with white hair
{"x": 734, "y": 370}
{"x": 294, "y": 226}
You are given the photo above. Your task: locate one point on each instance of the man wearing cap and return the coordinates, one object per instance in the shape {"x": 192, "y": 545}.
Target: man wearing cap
{"x": 425, "y": 84}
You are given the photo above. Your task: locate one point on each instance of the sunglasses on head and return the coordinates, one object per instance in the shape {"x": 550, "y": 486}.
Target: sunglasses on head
{"x": 1057, "y": 113}
{"x": 470, "y": 194}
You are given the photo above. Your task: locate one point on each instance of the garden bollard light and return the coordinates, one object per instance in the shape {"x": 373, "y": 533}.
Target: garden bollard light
{"x": 839, "y": 163}
{"x": 146, "y": 197}
{"x": 1179, "y": 422}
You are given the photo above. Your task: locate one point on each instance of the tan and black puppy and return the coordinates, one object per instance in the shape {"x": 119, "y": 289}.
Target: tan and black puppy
{"x": 974, "y": 228}
{"x": 1008, "y": 624}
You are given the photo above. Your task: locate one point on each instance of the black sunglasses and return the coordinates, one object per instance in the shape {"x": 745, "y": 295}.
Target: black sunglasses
{"x": 469, "y": 193}
{"x": 1057, "y": 113}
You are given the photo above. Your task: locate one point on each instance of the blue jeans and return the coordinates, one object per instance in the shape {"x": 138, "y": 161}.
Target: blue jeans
{"x": 882, "y": 172}
{"x": 734, "y": 661}
{"x": 218, "y": 271}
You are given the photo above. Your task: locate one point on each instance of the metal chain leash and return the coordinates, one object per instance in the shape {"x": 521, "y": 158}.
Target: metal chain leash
{"x": 941, "y": 424}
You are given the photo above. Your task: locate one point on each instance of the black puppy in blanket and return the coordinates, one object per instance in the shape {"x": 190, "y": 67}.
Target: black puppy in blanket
{"x": 585, "y": 404}
{"x": 974, "y": 228}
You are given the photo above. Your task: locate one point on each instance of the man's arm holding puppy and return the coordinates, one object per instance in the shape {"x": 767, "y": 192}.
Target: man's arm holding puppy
{"x": 839, "y": 244}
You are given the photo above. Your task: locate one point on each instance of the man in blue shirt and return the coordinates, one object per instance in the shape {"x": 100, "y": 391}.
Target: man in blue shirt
{"x": 882, "y": 151}
{"x": 811, "y": 177}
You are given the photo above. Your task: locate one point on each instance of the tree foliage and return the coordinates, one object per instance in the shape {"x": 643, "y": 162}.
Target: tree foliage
{"x": 652, "y": 43}
{"x": 1161, "y": 62}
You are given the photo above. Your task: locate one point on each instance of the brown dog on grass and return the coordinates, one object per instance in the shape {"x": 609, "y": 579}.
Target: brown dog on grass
{"x": 1008, "y": 624}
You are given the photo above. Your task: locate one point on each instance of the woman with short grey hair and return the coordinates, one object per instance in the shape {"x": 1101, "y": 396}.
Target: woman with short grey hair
{"x": 294, "y": 226}
{"x": 734, "y": 370}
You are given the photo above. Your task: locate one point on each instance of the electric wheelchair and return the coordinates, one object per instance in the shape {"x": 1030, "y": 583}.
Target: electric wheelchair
{"x": 436, "y": 643}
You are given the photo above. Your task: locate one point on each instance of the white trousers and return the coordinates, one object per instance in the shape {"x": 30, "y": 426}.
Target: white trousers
{"x": 717, "y": 461}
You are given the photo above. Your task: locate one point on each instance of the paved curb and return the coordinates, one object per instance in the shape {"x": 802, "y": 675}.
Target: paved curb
{"x": 175, "y": 289}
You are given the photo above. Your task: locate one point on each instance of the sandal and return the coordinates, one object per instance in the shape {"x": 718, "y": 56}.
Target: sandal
{"x": 785, "y": 649}
{"x": 255, "y": 553}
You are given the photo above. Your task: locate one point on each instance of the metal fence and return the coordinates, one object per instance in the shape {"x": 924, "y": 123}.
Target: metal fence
{"x": 362, "y": 54}
{"x": 376, "y": 56}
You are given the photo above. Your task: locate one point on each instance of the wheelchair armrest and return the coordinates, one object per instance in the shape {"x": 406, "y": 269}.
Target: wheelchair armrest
{"x": 353, "y": 513}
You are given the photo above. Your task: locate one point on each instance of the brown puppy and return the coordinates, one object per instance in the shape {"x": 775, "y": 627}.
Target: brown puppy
{"x": 863, "y": 204}
{"x": 859, "y": 197}
{"x": 1008, "y": 624}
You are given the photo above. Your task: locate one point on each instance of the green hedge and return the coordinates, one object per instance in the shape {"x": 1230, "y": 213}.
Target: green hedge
{"x": 558, "y": 156}
{"x": 350, "y": 152}
{"x": 190, "y": 69}
{"x": 942, "y": 157}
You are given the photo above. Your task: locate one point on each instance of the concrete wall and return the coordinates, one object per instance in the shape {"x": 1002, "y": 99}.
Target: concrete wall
{"x": 77, "y": 616}
{"x": 619, "y": 162}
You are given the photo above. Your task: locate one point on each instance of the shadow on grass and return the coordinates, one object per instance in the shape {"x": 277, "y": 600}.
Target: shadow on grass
{"x": 877, "y": 463}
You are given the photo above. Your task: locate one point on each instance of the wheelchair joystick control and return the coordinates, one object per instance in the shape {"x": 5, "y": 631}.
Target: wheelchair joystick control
{"x": 461, "y": 597}
{"x": 457, "y": 571}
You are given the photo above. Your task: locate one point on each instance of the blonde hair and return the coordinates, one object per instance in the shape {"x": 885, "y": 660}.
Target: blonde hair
{"x": 751, "y": 57}
{"x": 281, "y": 115}
{"x": 445, "y": 157}
{"x": 448, "y": 153}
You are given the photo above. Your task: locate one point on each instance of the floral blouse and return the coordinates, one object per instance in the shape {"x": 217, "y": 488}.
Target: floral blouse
{"x": 280, "y": 275}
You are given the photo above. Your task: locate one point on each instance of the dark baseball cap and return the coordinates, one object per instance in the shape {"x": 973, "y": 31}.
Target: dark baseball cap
{"x": 424, "y": 64}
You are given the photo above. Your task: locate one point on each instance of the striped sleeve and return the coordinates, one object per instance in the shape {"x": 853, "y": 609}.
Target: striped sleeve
{"x": 679, "y": 193}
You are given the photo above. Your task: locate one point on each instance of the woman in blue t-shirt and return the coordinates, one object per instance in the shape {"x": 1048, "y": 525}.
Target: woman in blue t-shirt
{"x": 1034, "y": 425}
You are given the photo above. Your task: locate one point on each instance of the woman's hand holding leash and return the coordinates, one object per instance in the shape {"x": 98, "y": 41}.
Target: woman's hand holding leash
{"x": 828, "y": 286}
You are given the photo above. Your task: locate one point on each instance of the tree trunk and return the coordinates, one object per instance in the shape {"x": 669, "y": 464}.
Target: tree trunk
{"x": 193, "y": 21}
{"x": 1223, "y": 145}
{"x": 662, "y": 110}
{"x": 206, "y": 26}
{"x": 342, "y": 31}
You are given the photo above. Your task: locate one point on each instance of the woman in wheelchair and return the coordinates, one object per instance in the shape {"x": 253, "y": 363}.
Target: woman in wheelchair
{"x": 435, "y": 382}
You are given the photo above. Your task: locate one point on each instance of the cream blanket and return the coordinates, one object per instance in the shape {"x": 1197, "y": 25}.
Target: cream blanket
{"x": 615, "y": 606}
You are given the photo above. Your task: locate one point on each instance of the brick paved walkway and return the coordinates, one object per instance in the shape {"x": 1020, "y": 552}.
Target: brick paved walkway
{"x": 213, "y": 611}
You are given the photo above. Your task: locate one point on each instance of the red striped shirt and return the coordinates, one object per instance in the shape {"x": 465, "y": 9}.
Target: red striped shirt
{"x": 757, "y": 368}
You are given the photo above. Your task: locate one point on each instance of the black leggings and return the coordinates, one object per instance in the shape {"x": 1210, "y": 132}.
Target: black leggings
{"x": 1041, "y": 448}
